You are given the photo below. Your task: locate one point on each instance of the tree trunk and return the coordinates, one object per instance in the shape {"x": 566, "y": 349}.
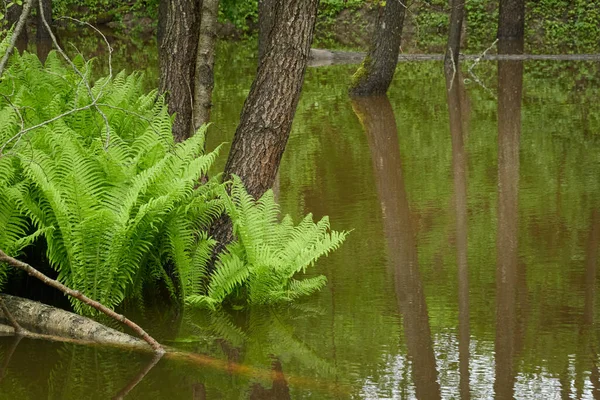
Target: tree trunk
{"x": 205, "y": 62}
{"x": 47, "y": 320}
{"x": 43, "y": 41}
{"x": 511, "y": 21}
{"x": 454, "y": 35}
{"x": 268, "y": 112}
{"x": 376, "y": 72}
{"x": 13, "y": 14}
{"x": 178, "y": 32}
{"x": 266, "y": 21}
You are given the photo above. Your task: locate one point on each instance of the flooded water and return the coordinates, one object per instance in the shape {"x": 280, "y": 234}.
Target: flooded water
{"x": 470, "y": 271}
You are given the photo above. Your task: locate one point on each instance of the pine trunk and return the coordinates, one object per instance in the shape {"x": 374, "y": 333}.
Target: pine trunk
{"x": 205, "y": 62}
{"x": 266, "y": 20}
{"x": 376, "y": 72}
{"x": 268, "y": 112}
{"x": 178, "y": 30}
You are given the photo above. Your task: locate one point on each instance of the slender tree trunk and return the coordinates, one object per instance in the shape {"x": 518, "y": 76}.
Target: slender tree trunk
{"x": 205, "y": 62}
{"x": 377, "y": 118}
{"x": 457, "y": 16}
{"x": 43, "y": 41}
{"x": 376, "y": 72}
{"x": 266, "y": 21}
{"x": 511, "y": 23}
{"x": 178, "y": 32}
{"x": 13, "y": 15}
{"x": 268, "y": 112}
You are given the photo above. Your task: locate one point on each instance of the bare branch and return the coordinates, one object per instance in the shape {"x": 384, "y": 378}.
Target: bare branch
{"x": 83, "y": 298}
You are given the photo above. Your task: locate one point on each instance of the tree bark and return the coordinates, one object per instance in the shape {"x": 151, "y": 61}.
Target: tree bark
{"x": 376, "y": 72}
{"x": 43, "y": 41}
{"x": 266, "y": 21}
{"x": 205, "y": 62}
{"x": 178, "y": 32}
{"x": 457, "y": 16}
{"x": 13, "y": 15}
{"x": 268, "y": 112}
{"x": 511, "y": 21}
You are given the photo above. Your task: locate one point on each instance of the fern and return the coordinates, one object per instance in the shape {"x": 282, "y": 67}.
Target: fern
{"x": 121, "y": 208}
{"x": 259, "y": 267}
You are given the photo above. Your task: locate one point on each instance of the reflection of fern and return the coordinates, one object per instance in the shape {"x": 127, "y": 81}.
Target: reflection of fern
{"x": 267, "y": 254}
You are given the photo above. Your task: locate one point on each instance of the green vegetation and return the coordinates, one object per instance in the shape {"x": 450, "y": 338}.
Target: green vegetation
{"x": 93, "y": 172}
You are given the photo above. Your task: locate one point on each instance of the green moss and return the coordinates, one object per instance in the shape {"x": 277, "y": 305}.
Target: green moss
{"x": 361, "y": 73}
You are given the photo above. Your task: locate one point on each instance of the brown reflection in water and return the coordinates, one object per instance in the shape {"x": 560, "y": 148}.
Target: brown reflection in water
{"x": 510, "y": 85}
{"x": 279, "y": 390}
{"x": 377, "y": 118}
{"x": 457, "y": 109}
{"x": 591, "y": 265}
{"x": 138, "y": 378}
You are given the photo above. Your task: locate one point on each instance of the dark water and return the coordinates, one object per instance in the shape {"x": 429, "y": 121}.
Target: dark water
{"x": 470, "y": 273}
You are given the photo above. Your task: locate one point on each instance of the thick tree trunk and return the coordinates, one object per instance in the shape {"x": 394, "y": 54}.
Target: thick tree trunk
{"x": 205, "y": 62}
{"x": 376, "y": 72}
{"x": 377, "y": 118}
{"x": 268, "y": 112}
{"x": 266, "y": 21}
{"x": 457, "y": 16}
{"x": 511, "y": 22}
{"x": 178, "y": 31}
{"x": 43, "y": 41}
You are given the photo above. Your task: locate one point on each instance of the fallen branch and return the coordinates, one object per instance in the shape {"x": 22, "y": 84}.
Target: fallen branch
{"x": 83, "y": 298}
{"x": 16, "y": 33}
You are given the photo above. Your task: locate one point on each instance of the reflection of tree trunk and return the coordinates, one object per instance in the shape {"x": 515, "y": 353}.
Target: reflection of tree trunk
{"x": 279, "y": 390}
{"x": 591, "y": 265}
{"x": 377, "y": 117}
{"x": 459, "y": 168}
{"x": 510, "y": 83}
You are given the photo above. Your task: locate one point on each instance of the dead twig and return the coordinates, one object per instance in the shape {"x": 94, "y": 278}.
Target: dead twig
{"x": 83, "y": 298}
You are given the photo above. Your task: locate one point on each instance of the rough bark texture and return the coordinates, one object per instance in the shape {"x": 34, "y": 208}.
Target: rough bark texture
{"x": 43, "y": 41}
{"x": 457, "y": 107}
{"x": 510, "y": 85}
{"x": 178, "y": 30}
{"x": 511, "y": 20}
{"x": 454, "y": 35}
{"x": 13, "y": 15}
{"x": 205, "y": 62}
{"x": 377, "y": 118}
{"x": 268, "y": 112}
{"x": 43, "y": 319}
{"x": 376, "y": 72}
{"x": 266, "y": 21}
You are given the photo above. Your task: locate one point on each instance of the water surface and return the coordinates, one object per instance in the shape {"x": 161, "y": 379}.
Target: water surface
{"x": 470, "y": 271}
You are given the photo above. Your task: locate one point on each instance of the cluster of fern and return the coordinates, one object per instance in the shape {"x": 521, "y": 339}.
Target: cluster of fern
{"x": 93, "y": 171}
